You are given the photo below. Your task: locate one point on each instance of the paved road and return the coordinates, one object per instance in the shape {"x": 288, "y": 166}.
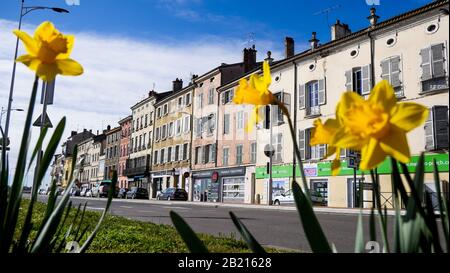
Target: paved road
{"x": 279, "y": 228}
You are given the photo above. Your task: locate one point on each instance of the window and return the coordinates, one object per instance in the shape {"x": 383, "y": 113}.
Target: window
{"x": 239, "y": 149}
{"x": 169, "y": 154}
{"x": 278, "y": 145}
{"x": 163, "y": 131}
{"x": 188, "y": 99}
{"x": 155, "y": 158}
{"x": 253, "y": 152}
{"x": 226, "y": 124}
{"x": 198, "y": 153}
{"x": 358, "y": 80}
{"x": 146, "y": 120}
{"x": 163, "y": 153}
{"x": 140, "y": 142}
{"x": 433, "y": 68}
{"x": 225, "y": 156}
{"x": 178, "y": 127}
{"x": 143, "y": 140}
{"x": 158, "y": 112}
{"x": 436, "y": 128}
{"x": 151, "y": 118}
{"x": 390, "y": 71}
{"x": 211, "y": 92}
{"x": 180, "y": 102}
{"x": 227, "y": 96}
{"x": 185, "y": 151}
{"x": 211, "y": 123}
{"x": 310, "y": 152}
{"x": 177, "y": 152}
{"x": 240, "y": 120}
{"x": 187, "y": 121}
{"x": 157, "y": 134}
{"x": 170, "y": 129}
{"x": 206, "y": 154}
{"x": 200, "y": 100}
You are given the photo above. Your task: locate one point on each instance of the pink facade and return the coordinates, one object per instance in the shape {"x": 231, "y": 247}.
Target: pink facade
{"x": 125, "y": 125}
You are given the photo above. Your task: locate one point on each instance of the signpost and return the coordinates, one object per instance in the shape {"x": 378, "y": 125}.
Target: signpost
{"x": 353, "y": 159}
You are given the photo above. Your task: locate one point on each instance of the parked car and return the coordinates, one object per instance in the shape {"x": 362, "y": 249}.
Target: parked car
{"x": 89, "y": 193}
{"x": 75, "y": 191}
{"x": 137, "y": 193}
{"x": 84, "y": 191}
{"x": 95, "y": 190}
{"x": 43, "y": 191}
{"x": 288, "y": 198}
{"x": 122, "y": 193}
{"x": 104, "y": 188}
{"x": 173, "y": 194}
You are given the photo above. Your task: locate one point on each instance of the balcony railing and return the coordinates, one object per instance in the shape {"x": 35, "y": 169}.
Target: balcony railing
{"x": 135, "y": 171}
{"x": 313, "y": 111}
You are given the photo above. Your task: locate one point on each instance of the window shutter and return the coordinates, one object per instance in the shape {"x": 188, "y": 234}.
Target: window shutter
{"x": 226, "y": 124}
{"x": 173, "y": 154}
{"x": 426, "y": 64}
{"x": 322, "y": 150}
{"x": 274, "y": 114}
{"x": 349, "y": 80}
{"x": 302, "y": 98}
{"x": 440, "y": 117}
{"x": 231, "y": 95}
{"x": 287, "y": 101}
{"x": 202, "y": 154}
{"x": 322, "y": 92}
{"x": 212, "y": 150}
{"x": 429, "y": 138}
{"x": 385, "y": 64}
{"x": 344, "y": 153}
{"x": 366, "y": 85}
{"x": 301, "y": 143}
{"x": 307, "y": 146}
{"x": 437, "y": 53}
{"x": 395, "y": 72}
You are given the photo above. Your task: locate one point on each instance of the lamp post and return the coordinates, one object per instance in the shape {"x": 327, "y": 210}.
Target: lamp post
{"x": 23, "y": 11}
{"x": 4, "y": 111}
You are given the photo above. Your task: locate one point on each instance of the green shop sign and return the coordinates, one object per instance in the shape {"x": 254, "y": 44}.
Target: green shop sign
{"x": 324, "y": 168}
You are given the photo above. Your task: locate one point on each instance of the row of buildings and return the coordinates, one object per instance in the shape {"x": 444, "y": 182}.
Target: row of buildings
{"x": 194, "y": 137}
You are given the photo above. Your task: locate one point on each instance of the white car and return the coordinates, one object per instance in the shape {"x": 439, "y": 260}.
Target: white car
{"x": 288, "y": 198}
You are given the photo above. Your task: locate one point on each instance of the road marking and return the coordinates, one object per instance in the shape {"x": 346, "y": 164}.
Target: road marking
{"x": 94, "y": 208}
{"x": 126, "y": 207}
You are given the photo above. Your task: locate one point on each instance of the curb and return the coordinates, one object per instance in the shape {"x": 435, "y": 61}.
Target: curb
{"x": 326, "y": 210}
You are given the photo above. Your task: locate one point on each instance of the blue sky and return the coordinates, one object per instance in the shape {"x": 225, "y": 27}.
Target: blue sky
{"x": 174, "y": 21}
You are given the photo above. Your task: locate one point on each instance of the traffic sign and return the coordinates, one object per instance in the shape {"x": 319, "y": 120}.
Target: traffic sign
{"x": 353, "y": 163}
{"x": 47, "y": 122}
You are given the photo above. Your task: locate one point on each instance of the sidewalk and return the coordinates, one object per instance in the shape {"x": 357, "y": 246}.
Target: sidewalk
{"x": 365, "y": 211}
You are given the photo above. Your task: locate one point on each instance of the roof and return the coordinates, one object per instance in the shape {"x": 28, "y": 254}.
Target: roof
{"x": 362, "y": 32}
{"x": 174, "y": 94}
{"x": 130, "y": 117}
{"x": 113, "y": 130}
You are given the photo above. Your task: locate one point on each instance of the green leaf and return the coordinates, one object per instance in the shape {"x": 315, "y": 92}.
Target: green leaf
{"x": 193, "y": 243}
{"x": 314, "y": 233}
{"x": 442, "y": 204}
{"x": 397, "y": 182}
{"x": 81, "y": 220}
{"x": 373, "y": 233}
{"x": 246, "y": 235}
{"x": 111, "y": 191}
{"x": 37, "y": 147}
{"x": 381, "y": 218}
{"x": 13, "y": 205}
{"x": 359, "y": 239}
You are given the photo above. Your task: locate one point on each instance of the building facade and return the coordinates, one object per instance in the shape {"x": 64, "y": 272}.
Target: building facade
{"x": 172, "y": 139}
{"x": 410, "y": 51}
{"x": 112, "y": 148}
{"x": 125, "y": 135}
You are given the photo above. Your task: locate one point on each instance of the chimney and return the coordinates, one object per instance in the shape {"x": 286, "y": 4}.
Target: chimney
{"x": 269, "y": 58}
{"x": 73, "y": 133}
{"x": 289, "y": 47}
{"x": 108, "y": 128}
{"x": 90, "y": 131}
{"x": 314, "y": 41}
{"x": 249, "y": 58}
{"x": 97, "y": 132}
{"x": 177, "y": 85}
{"x": 373, "y": 18}
{"x": 193, "y": 78}
{"x": 339, "y": 30}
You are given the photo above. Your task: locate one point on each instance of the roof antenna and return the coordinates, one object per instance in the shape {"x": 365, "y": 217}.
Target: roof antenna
{"x": 327, "y": 12}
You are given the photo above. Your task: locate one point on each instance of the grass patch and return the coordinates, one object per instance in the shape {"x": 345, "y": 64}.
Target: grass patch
{"x": 121, "y": 235}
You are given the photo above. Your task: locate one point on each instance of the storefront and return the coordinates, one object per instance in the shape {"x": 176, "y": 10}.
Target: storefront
{"x": 221, "y": 185}
{"x": 343, "y": 190}
{"x": 160, "y": 181}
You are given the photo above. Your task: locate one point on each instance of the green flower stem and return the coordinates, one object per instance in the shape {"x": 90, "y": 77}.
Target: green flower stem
{"x": 297, "y": 151}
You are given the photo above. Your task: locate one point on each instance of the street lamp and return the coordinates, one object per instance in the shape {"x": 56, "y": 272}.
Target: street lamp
{"x": 4, "y": 111}
{"x": 23, "y": 11}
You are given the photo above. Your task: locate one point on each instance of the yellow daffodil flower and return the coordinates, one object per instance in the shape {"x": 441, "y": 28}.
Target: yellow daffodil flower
{"x": 48, "y": 52}
{"x": 323, "y": 133}
{"x": 377, "y": 126}
{"x": 255, "y": 92}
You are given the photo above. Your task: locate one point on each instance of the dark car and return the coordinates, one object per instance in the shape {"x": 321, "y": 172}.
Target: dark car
{"x": 137, "y": 193}
{"x": 122, "y": 193}
{"x": 104, "y": 188}
{"x": 173, "y": 194}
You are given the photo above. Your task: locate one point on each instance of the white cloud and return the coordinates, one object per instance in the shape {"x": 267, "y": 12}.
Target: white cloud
{"x": 119, "y": 71}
